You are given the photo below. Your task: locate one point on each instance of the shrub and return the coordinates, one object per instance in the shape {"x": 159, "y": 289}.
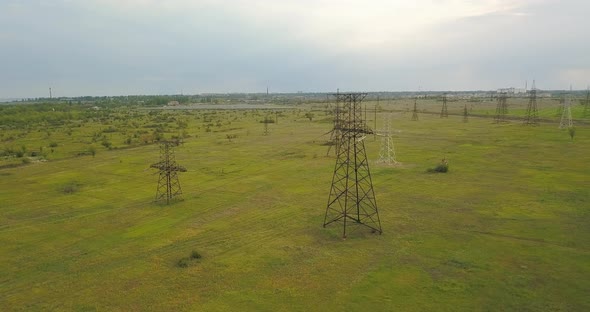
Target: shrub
{"x": 572, "y": 132}
{"x": 442, "y": 167}
{"x": 71, "y": 187}
{"x": 195, "y": 255}
{"x": 53, "y": 144}
{"x": 182, "y": 263}
{"x": 107, "y": 144}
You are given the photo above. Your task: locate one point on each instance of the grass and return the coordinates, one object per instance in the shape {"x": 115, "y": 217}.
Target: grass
{"x": 505, "y": 229}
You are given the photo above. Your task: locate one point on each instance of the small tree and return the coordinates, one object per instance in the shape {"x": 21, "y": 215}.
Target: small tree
{"x": 309, "y": 115}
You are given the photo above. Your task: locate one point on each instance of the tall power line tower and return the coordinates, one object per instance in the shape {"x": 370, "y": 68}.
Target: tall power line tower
{"x": 266, "y": 121}
{"x": 566, "y": 115}
{"x": 465, "y": 114}
{"x": 587, "y": 103}
{"x": 168, "y": 183}
{"x": 501, "y": 108}
{"x": 352, "y": 199}
{"x": 415, "y": 111}
{"x": 444, "y": 112}
{"x": 532, "y": 114}
{"x": 387, "y": 151}
{"x": 336, "y": 131}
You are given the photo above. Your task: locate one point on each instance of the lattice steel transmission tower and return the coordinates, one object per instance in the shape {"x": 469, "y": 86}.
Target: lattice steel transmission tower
{"x": 501, "y": 108}
{"x": 168, "y": 183}
{"x": 444, "y": 112}
{"x": 387, "y": 151}
{"x": 465, "y": 114}
{"x": 415, "y": 111}
{"x": 532, "y": 114}
{"x": 266, "y": 121}
{"x": 587, "y": 103}
{"x": 352, "y": 199}
{"x": 566, "y": 115}
{"x": 336, "y": 132}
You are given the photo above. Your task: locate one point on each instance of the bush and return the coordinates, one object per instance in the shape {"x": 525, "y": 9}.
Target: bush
{"x": 186, "y": 261}
{"x": 442, "y": 167}
{"x": 107, "y": 144}
{"x": 53, "y": 144}
{"x": 572, "y": 132}
{"x": 71, "y": 187}
{"x": 182, "y": 263}
{"x": 195, "y": 255}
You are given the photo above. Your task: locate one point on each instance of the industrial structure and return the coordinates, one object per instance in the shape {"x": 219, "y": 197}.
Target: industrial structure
{"x": 465, "y": 114}
{"x": 267, "y": 120}
{"x": 387, "y": 150}
{"x": 168, "y": 183}
{"x": 415, "y": 111}
{"x": 566, "y": 114}
{"x": 587, "y": 103}
{"x": 336, "y": 132}
{"x": 501, "y": 108}
{"x": 444, "y": 112}
{"x": 352, "y": 200}
{"x": 532, "y": 113}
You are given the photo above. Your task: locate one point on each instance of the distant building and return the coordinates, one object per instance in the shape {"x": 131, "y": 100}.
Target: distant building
{"x": 512, "y": 90}
{"x": 173, "y": 103}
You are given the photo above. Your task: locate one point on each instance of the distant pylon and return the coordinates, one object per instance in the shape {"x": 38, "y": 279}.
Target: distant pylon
{"x": 587, "y": 103}
{"x": 352, "y": 199}
{"x": 168, "y": 183}
{"x": 444, "y": 112}
{"x": 501, "y": 108}
{"x": 532, "y": 114}
{"x": 387, "y": 151}
{"x": 465, "y": 114}
{"x": 336, "y": 132}
{"x": 415, "y": 111}
{"x": 266, "y": 121}
{"x": 566, "y": 115}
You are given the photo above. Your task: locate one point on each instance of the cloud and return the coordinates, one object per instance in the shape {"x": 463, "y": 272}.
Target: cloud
{"x": 149, "y": 46}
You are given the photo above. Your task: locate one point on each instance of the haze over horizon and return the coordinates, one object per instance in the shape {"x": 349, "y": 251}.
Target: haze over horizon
{"x": 110, "y": 47}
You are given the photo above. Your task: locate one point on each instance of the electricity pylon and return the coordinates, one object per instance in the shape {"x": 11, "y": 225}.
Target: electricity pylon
{"x": 501, "y": 108}
{"x": 168, "y": 183}
{"x": 336, "y": 132}
{"x": 532, "y": 114}
{"x": 266, "y": 121}
{"x": 465, "y": 114}
{"x": 566, "y": 115}
{"x": 352, "y": 199}
{"x": 587, "y": 103}
{"x": 415, "y": 111}
{"x": 444, "y": 112}
{"x": 387, "y": 151}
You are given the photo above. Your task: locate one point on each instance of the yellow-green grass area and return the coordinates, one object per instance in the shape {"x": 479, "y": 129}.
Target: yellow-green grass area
{"x": 548, "y": 109}
{"x": 506, "y": 229}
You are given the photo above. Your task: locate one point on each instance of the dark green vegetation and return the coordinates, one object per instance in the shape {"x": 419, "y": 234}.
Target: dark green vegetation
{"x": 506, "y": 228}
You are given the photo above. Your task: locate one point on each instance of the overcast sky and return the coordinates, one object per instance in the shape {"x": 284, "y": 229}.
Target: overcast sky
{"x": 121, "y": 47}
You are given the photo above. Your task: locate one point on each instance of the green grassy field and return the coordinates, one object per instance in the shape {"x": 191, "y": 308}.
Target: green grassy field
{"x": 506, "y": 229}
